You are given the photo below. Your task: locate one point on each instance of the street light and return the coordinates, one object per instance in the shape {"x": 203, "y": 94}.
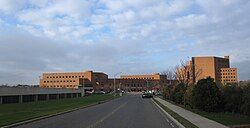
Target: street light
{"x": 114, "y": 81}
{"x": 147, "y": 83}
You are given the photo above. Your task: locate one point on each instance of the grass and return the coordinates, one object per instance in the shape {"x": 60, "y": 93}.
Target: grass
{"x": 180, "y": 119}
{"x": 12, "y": 113}
{"x": 228, "y": 119}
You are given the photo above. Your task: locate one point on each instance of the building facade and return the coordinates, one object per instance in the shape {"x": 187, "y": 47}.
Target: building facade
{"x": 73, "y": 79}
{"x": 100, "y": 81}
{"x": 215, "y": 67}
{"x": 139, "y": 82}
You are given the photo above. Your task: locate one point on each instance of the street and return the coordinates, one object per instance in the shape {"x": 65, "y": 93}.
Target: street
{"x": 129, "y": 111}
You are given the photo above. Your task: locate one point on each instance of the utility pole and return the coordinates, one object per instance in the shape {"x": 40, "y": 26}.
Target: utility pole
{"x": 114, "y": 82}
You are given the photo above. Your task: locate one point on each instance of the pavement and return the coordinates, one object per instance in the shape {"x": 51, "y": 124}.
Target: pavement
{"x": 129, "y": 111}
{"x": 195, "y": 119}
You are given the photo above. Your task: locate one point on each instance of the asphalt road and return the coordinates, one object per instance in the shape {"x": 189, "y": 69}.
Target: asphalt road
{"x": 130, "y": 111}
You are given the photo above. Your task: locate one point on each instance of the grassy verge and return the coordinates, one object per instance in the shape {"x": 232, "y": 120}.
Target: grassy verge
{"x": 180, "y": 119}
{"x": 12, "y": 113}
{"x": 228, "y": 119}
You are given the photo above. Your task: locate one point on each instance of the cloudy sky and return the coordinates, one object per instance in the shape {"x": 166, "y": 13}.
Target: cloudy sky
{"x": 131, "y": 36}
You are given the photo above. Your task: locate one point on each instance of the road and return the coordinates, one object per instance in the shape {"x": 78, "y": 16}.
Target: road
{"x": 129, "y": 111}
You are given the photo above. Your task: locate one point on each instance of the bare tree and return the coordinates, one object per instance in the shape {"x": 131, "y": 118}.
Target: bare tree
{"x": 169, "y": 74}
{"x": 186, "y": 74}
{"x": 182, "y": 72}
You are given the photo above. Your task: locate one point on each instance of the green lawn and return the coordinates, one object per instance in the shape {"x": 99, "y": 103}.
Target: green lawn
{"x": 12, "y": 113}
{"x": 229, "y": 119}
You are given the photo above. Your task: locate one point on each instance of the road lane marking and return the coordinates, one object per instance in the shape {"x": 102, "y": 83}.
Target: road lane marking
{"x": 107, "y": 116}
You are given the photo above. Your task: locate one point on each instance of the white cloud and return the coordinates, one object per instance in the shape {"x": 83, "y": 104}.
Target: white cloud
{"x": 9, "y": 6}
{"x": 129, "y": 35}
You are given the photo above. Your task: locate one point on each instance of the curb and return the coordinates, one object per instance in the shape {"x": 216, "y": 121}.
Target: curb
{"x": 56, "y": 114}
{"x": 169, "y": 116}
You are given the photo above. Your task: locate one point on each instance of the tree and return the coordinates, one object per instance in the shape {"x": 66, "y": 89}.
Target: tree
{"x": 167, "y": 92}
{"x": 186, "y": 73}
{"x": 178, "y": 93}
{"x": 232, "y": 98}
{"x": 188, "y": 96}
{"x": 182, "y": 73}
{"x": 169, "y": 74}
{"x": 245, "y": 107}
{"x": 206, "y": 95}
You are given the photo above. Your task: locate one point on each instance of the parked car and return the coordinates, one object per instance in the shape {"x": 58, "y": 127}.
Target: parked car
{"x": 99, "y": 92}
{"x": 147, "y": 95}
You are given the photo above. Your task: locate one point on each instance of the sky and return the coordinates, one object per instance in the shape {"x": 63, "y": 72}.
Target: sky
{"x": 128, "y": 36}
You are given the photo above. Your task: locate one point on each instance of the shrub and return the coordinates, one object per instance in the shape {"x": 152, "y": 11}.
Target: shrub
{"x": 207, "y": 96}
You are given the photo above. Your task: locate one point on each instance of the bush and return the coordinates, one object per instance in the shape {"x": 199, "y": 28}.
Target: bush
{"x": 232, "y": 95}
{"x": 167, "y": 92}
{"x": 188, "y": 95}
{"x": 178, "y": 93}
{"x": 245, "y": 107}
{"x": 207, "y": 96}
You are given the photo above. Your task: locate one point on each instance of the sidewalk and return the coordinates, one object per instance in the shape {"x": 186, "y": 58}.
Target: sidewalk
{"x": 196, "y": 119}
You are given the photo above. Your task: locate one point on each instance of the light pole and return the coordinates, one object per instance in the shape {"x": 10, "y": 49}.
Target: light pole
{"x": 147, "y": 83}
{"x": 114, "y": 81}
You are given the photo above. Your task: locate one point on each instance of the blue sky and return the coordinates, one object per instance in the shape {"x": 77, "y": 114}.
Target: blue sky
{"x": 131, "y": 36}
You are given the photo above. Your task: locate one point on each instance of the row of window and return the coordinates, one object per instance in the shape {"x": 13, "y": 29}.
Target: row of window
{"x": 59, "y": 86}
{"x": 140, "y": 78}
{"x": 59, "y": 81}
{"x": 227, "y": 77}
{"x": 227, "y": 73}
{"x": 228, "y": 80}
{"x": 65, "y": 77}
{"x": 227, "y": 70}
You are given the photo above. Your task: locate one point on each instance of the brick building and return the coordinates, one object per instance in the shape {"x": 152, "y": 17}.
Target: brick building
{"x": 100, "y": 81}
{"x": 215, "y": 67}
{"x": 73, "y": 79}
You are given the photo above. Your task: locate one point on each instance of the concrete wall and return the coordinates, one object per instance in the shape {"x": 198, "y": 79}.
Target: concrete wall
{"x": 33, "y": 94}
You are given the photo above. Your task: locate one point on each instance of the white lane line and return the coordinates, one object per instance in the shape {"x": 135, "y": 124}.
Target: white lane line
{"x": 107, "y": 116}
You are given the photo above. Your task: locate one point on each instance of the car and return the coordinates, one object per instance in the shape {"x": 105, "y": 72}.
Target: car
{"x": 99, "y": 92}
{"x": 147, "y": 95}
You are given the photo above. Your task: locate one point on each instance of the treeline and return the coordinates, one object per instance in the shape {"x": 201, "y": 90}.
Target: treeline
{"x": 206, "y": 95}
